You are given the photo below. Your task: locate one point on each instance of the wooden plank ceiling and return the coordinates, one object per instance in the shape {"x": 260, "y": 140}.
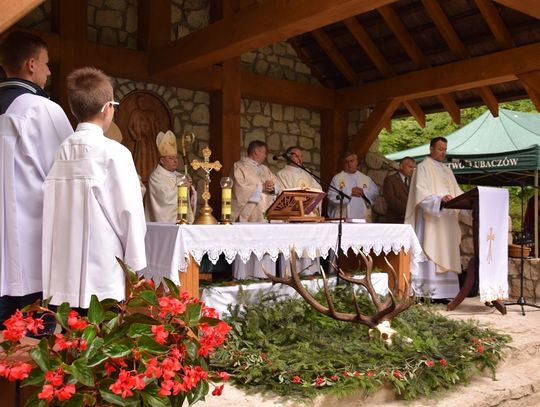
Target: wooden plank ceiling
{"x": 397, "y": 57}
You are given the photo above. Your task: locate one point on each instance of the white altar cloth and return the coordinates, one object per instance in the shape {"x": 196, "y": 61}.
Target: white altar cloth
{"x": 169, "y": 246}
{"x": 220, "y": 297}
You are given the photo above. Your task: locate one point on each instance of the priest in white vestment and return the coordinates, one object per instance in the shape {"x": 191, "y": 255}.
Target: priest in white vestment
{"x": 254, "y": 190}
{"x": 438, "y": 231}
{"x": 92, "y": 210}
{"x": 291, "y": 176}
{"x": 31, "y": 128}
{"x": 361, "y": 188}
{"x": 161, "y": 200}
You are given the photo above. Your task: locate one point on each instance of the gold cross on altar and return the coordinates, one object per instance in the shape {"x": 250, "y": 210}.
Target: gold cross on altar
{"x": 490, "y": 238}
{"x": 205, "y": 216}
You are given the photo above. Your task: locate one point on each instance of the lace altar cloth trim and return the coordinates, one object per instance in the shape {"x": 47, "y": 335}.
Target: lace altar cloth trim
{"x": 168, "y": 247}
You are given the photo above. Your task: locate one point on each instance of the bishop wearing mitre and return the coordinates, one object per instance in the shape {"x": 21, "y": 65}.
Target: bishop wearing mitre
{"x": 161, "y": 199}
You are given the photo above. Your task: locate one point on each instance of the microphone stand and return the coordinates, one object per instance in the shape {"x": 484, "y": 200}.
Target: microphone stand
{"x": 341, "y": 195}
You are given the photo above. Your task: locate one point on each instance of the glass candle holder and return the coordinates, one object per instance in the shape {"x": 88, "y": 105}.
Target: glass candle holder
{"x": 182, "y": 185}
{"x": 226, "y": 197}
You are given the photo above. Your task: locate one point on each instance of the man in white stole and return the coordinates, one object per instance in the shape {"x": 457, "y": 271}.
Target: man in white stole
{"x": 355, "y": 184}
{"x": 161, "y": 199}
{"x": 438, "y": 231}
{"x": 254, "y": 190}
{"x": 293, "y": 177}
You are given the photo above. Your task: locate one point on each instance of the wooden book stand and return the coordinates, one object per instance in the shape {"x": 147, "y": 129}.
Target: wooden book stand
{"x": 294, "y": 205}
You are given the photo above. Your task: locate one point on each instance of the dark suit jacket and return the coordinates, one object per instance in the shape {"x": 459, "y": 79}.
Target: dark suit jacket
{"x": 395, "y": 193}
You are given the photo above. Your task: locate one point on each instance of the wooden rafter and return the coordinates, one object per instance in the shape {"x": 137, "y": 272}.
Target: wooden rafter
{"x": 380, "y": 62}
{"x": 529, "y": 7}
{"x": 14, "y": 10}
{"x": 417, "y": 56}
{"x": 254, "y": 27}
{"x": 531, "y": 83}
{"x": 376, "y": 121}
{"x": 499, "y": 67}
{"x": 336, "y": 56}
{"x": 151, "y": 30}
{"x": 504, "y": 38}
{"x": 456, "y": 45}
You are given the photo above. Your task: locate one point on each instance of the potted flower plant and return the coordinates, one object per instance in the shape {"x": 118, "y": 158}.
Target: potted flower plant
{"x": 149, "y": 350}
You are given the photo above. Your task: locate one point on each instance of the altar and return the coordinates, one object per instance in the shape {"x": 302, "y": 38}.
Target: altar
{"x": 175, "y": 251}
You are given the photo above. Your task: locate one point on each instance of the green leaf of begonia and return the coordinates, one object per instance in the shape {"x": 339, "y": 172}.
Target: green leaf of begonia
{"x": 151, "y": 398}
{"x": 40, "y": 355}
{"x": 191, "y": 348}
{"x": 149, "y": 345}
{"x": 77, "y": 400}
{"x": 193, "y": 314}
{"x": 150, "y": 297}
{"x": 137, "y": 329}
{"x": 35, "y": 378}
{"x": 173, "y": 288}
{"x": 33, "y": 401}
{"x": 118, "y": 400}
{"x": 199, "y": 393}
{"x": 97, "y": 359}
{"x": 62, "y": 314}
{"x": 117, "y": 349}
{"x": 89, "y": 334}
{"x": 80, "y": 371}
{"x": 96, "y": 313}
{"x": 142, "y": 318}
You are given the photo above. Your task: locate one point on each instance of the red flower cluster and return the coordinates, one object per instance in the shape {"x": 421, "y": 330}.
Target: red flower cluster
{"x": 297, "y": 379}
{"x": 16, "y": 371}
{"x": 126, "y": 382}
{"x": 212, "y": 337}
{"x": 54, "y": 387}
{"x": 63, "y": 343}
{"x": 443, "y": 362}
{"x": 397, "y": 374}
{"x": 75, "y": 322}
{"x": 172, "y": 306}
{"x": 160, "y": 333}
{"x": 429, "y": 363}
{"x": 218, "y": 390}
{"x": 17, "y": 326}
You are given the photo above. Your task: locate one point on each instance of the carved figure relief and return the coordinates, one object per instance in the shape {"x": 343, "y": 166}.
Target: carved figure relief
{"x": 141, "y": 116}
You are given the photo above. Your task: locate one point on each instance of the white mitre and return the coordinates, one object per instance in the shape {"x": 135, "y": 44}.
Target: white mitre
{"x": 166, "y": 143}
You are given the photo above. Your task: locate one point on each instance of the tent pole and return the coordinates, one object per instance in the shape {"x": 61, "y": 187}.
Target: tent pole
{"x": 535, "y": 213}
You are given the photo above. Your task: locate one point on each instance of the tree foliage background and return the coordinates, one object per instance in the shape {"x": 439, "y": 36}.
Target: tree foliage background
{"x": 406, "y": 133}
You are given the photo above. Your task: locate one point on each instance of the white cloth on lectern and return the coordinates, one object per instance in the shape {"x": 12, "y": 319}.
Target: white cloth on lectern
{"x": 493, "y": 243}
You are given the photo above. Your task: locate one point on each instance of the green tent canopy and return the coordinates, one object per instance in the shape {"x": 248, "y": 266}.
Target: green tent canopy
{"x": 502, "y": 150}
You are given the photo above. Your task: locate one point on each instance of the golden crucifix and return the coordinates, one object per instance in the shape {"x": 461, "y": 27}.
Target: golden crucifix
{"x": 205, "y": 215}
{"x": 490, "y": 238}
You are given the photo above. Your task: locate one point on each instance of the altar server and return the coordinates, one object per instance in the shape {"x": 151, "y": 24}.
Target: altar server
{"x": 93, "y": 210}
{"x": 161, "y": 201}
{"x": 361, "y": 188}
{"x": 438, "y": 231}
{"x": 31, "y": 128}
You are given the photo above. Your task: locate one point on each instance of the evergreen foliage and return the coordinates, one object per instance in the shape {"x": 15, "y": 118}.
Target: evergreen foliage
{"x": 291, "y": 350}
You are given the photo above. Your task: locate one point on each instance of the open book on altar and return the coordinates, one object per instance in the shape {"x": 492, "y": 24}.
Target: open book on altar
{"x": 296, "y": 205}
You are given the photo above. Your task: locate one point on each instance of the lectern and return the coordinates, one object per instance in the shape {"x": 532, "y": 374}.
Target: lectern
{"x": 294, "y": 205}
{"x": 469, "y": 200}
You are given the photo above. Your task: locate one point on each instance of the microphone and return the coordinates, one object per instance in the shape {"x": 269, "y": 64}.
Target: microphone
{"x": 281, "y": 156}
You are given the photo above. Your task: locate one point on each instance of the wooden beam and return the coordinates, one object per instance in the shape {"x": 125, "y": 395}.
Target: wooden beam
{"x": 451, "y": 107}
{"x": 445, "y": 28}
{"x": 153, "y": 24}
{"x": 334, "y": 125}
{"x": 254, "y": 27}
{"x": 529, "y": 7}
{"x": 495, "y": 23}
{"x": 416, "y": 111}
{"x": 69, "y": 21}
{"x": 286, "y": 92}
{"x": 403, "y": 36}
{"x": 336, "y": 56}
{"x": 14, "y": 10}
{"x": 484, "y": 70}
{"x": 531, "y": 83}
{"x": 378, "y": 118}
{"x": 368, "y": 46}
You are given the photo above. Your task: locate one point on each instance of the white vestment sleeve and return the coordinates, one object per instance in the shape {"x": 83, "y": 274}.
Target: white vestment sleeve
{"x": 432, "y": 205}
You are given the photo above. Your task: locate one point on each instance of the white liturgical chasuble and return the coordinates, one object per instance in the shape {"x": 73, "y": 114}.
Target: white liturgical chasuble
{"x": 437, "y": 229}
{"x": 31, "y": 130}
{"x": 161, "y": 198}
{"x": 249, "y": 202}
{"x": 356, "y": 207}
{"x": 92, "y": 214}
